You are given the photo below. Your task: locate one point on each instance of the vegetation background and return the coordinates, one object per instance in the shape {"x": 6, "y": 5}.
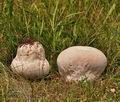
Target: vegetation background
{"x": 59, "y": 24}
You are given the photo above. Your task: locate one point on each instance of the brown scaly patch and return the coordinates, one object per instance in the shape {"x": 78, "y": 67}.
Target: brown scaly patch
{"x": 26, "y": 41}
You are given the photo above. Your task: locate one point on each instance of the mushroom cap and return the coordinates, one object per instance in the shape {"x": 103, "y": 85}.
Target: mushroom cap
{"x": 81, "y": 62}
{"x": 34, "y": 51}
{"x": 30, "y": 61}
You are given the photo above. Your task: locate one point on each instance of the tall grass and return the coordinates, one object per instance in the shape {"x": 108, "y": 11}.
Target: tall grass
{"x": 57, "y": 25}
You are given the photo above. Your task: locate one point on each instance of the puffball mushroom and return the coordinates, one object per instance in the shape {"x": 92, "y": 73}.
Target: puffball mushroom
{"x": 30, "y": 61}
{"x": 81, "y": 63}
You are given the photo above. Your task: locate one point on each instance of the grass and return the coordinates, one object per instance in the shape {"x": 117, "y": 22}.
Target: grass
{"x": 57, "y": 25}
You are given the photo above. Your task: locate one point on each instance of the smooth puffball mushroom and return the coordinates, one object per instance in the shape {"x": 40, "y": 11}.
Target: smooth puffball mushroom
{"x": 30, "y": 61}
{"x": 81, "y": 63}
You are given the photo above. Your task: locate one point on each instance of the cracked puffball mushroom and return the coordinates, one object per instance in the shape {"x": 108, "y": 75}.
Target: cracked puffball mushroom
{"x": 30, "y": 61}
{"x": 81, "y": 63}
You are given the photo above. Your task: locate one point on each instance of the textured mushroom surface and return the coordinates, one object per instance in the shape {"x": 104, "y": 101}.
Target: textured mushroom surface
{"x": 30, "y": 61}
{"x": 81, "y": 62}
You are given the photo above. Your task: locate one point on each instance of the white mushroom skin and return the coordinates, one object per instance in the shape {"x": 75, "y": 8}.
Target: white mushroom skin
{"x": 30, "y": 61}
{"x": 81, "y": 63}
